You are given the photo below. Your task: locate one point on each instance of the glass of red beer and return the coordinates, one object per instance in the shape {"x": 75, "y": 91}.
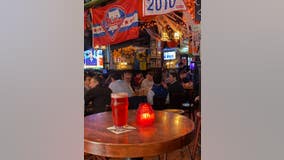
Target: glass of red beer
{"x": 119, "y": 107}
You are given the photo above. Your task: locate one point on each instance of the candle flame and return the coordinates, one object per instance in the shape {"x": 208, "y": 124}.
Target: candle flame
{"x": 145, "y": 115}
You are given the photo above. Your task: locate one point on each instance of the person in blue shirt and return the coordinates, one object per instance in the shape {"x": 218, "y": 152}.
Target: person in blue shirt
{"x": 158, "y": 95}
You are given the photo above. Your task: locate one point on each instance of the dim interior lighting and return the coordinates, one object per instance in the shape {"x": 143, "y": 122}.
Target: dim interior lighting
{"x": 103, "y": 47}
{"x": 165, "y": 36}
{"x": 177, "y": 35}
{"x": 123, "y": 63}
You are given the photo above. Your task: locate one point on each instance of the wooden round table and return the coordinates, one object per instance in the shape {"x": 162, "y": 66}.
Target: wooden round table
{"x": 169, "y": 132}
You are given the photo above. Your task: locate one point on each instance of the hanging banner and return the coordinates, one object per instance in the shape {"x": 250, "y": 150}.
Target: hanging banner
{"x": 85, "y": 19}
{"x": 115, "y": 23}
{"x": 197, "y": 10}
{"x": 158, "y": 7}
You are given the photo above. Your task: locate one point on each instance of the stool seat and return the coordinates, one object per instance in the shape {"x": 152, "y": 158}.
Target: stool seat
{"x": 187, "y": 105}
{"x": 178, "y": 111}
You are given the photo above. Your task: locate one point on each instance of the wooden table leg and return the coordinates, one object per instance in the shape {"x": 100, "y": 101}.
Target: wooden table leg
{"x": 165, "y": 156}
{"x": 197, "y": 136}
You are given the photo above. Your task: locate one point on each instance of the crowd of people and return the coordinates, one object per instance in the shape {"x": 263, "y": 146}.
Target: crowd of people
{"x": 162, "y": 89}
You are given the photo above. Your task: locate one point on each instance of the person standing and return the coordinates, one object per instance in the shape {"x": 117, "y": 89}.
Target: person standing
{"x": 176, "y": 90}
{"x": 118, "y": 85}
{"x": 158, "y": 94}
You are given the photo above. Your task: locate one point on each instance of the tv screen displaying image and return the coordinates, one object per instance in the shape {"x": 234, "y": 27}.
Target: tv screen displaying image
{"x": 169, "y": 54}
{"x": 93, "y": 59}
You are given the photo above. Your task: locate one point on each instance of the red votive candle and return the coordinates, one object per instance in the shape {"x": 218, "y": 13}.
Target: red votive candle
{"x": 145, "y": 114}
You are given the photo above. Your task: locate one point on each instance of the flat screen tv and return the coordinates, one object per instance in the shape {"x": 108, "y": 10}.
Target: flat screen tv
{"x": 93, "y": 59}
{"x": 169, "y": 54}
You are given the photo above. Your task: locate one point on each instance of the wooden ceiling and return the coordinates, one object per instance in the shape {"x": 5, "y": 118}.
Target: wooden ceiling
{"x": 96, "y": 3}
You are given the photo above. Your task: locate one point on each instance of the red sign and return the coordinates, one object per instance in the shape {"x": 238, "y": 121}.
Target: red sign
{"x": 85, "y": 19}
{"x": 115, "y": 23}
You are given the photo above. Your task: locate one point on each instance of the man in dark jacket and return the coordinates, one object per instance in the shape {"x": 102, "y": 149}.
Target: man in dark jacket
{"x": 98, "y": 95}
{"x": 176, "y": 91}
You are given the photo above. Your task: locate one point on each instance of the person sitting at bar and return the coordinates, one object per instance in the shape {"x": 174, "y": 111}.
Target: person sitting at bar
{"x": 148, "y": 82}
{"x": 138, "y": 78}
{"x": 127, "y": 77}
{"x": 98, "y": 95}
{"x": 185, "y": 79}
{"x": 118, "y": 85}
{"x": 158, "y": 95}
{"x": 87, "y": 79}
{"x": 176, "y": 91}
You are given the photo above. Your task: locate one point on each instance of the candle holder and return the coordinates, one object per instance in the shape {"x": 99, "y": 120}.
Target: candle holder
{"x": 145, "y": 114}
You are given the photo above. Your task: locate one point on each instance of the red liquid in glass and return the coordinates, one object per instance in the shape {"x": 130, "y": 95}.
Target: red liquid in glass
{"x": 119, "y": 106}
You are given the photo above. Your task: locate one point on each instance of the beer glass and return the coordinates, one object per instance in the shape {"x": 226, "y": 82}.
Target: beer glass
{"x": 119, "y": 106}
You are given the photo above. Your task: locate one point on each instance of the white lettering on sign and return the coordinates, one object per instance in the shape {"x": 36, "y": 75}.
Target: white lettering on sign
{"x": 157, "y": 7}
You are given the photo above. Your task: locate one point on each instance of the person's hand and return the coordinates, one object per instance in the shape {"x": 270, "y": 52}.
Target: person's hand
{"x": 140, "y": 81}
{"x": 196, "y": 99}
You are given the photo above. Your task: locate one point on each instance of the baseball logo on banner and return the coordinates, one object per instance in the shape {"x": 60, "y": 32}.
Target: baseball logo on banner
{"x": 158, "y": 7}
{"x": 113, "y": 20}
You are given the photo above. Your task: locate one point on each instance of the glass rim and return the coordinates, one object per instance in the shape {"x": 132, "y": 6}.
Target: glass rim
{"x": 119, "y": 95}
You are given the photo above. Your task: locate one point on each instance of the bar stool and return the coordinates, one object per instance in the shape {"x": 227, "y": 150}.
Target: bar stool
{"x": 94, "y": 157}
{"x": 189, "y": 108}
